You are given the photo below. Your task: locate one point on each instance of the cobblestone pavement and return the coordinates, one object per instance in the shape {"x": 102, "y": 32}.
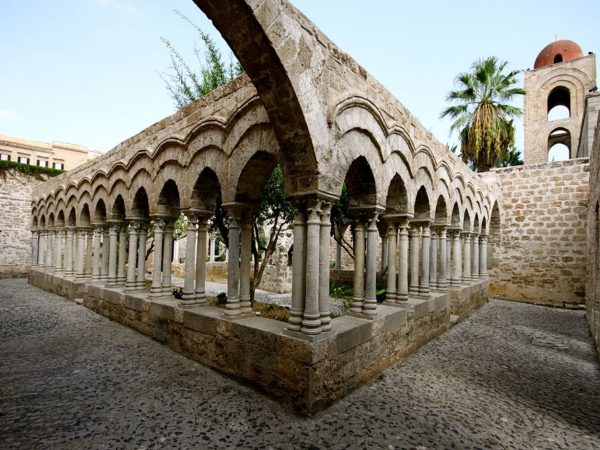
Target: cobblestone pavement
{"x": 513, "y": 376}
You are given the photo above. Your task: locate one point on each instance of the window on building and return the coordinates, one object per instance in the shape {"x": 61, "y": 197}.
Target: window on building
{"x": 4, "y": 157}
{"x": 558, "y": 59}
{"x": 559, "y": 145}
{"x": 559, "y": 103}
{"x": 58, "y": 165}
{"x": 42, "y": 163}
{"x": 23, "y": 159}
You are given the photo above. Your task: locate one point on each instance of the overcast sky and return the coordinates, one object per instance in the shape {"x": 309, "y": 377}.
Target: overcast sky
{"x": 86, "y": 71}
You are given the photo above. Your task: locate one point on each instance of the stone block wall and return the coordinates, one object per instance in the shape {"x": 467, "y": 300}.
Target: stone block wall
{"x": 592, "y": 288}
{"x": 541, "y": 254}
{"x": 15, "y": 223}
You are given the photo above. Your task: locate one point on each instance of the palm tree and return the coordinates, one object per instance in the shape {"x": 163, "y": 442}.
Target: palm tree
{"x": 481, "y": 113}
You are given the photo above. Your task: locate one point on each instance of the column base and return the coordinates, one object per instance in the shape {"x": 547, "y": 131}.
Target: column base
{"x": 187, "y": 304}
{"x": 239, "y": 316}
{"x": 362, "y": 315}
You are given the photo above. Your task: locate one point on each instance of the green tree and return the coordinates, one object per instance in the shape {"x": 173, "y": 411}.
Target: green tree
{"x": 482, "y": 114}
{"x": 511, "y": 157}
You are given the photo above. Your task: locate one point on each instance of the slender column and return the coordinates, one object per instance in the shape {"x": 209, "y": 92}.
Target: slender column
{"x": 88, "y": 252}
{"x": 58, "y": 252}
{"x": 49, "y": 239}
{"x": 402, "y": 294}
{"x": 113, "y": 237}
{"x": 69, "y": 252}
{"x": 425, "y": 253}
{"x": 466, "y": 257}
{"x": 338, "y": 255}
{"x": 121, "y": 277}
{"x": 483, "y": 248}
{"x": 189, "y": 293}
{"x": 200, "y": 288}
{"x": 433, "y": 260}
{"x": 156, "y": 288}
{"x": 212, "y": 249}
{"x": 370, "y": 305}
{"x": 80, "y": 260}
{"x": 384, "y": 252}
{"x": 134, "y": 229}
{"x": 105, "y": 253}
{"x": 390, "y": 294}
{"x": 41, "y": 248}
{"x": 443, "y": 267}
{"x": 413, "y": 289}
{"x": 475, "y": 257}
{"x": 311, "y": 319}
{"x": 359, "y": 267}
{"x": 167, "y": 287}
{"x": 298, "y": 269}
{"x": 233, "y": 265}
{"x": 34, "y": 247}
{"x": 141, "y": 268}
{"x": 448, "y": 256}
{"x": 324, "y": 251}
{"x": 96, "y": 254}
{"x": 456, "y": 260}
{"x": 245, "y": 261}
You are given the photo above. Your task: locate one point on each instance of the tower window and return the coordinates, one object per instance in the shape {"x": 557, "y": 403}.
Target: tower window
{"x": 558, "y": 59}
{"x": 559, "y": 103}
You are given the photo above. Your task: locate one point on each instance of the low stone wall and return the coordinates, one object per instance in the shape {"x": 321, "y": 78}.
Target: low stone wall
{"x": 306, "y": 375}
{"x": 15, "y": 223}
{"x": 541, "y": 254}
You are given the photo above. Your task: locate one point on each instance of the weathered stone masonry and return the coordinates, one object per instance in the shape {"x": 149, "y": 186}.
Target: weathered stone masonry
{"x": 541, "y": 257}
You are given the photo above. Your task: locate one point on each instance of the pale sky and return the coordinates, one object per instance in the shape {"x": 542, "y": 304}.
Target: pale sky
{"x": 86, "y": 71}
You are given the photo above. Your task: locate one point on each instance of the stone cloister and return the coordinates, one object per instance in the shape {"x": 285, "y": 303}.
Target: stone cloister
{"x": 310, "y": 108}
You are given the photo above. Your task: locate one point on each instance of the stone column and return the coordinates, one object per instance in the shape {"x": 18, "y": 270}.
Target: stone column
{"x": 390, "y": 294}
{"x": 156, "y": 287}
{"x": 96, "y": 254}
{"x": 140, "y": 281}
{"x": 467, "y": 258}
{"x": 483, "y": 244}
{"x": 41, "y": 248}
{"x": 384, "y": 252}
{"x": 167, "y": 287}
{"x": 448, "y": 256}
{"x": 245, "y": 262}
{"x": 69, "y": 253}
{"x": 311, "y": 319}
{"x": 200, "y": 288}
{"x": 121, "y": 276}
{"x": 233, "y": 308}
{"x": 88, "y": 252}
{"x": 80, "y": 259}
{"x": 475, "y": 257}
{"x": 105, "y": 253}
{"x": 298, "y": 269}
{"x": 413, "y": 288}
{"x": 58, "y": 252}
{"x": 48, "y": 253}
{"x": 433, "y": 260}
{"x": 34, "y": 247}
{"x": 338, "y": 255}
{"x": 189, "y": 292}
{"x": 456, "y": 259}
{"x": 370, "y": 305}
{"x": 359, "y": 267}
{"x": 324, "y": 252}
{"x": 212, "y": 248}
{"x": 424, "y": 289}
{"x": 402, "y": 294}
{"x": 134, "y": 229}
{"x": 113, "y": 236}
{"x": 443, "y": 266}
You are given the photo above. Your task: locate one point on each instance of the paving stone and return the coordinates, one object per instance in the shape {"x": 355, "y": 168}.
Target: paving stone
{"x": 511, "y": 376}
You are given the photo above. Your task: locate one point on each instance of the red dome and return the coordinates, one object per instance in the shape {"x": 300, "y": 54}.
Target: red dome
{"x": 558, "y": 51}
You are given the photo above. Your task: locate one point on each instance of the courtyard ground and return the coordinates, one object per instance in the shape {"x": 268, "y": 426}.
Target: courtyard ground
{"x": 512, "y": 376}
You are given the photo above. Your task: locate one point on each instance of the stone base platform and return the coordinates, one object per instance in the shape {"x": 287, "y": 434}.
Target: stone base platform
{"x": 307, "y": 376}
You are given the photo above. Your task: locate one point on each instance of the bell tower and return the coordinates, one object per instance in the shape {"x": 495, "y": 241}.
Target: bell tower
{"x": 556, "y": 89}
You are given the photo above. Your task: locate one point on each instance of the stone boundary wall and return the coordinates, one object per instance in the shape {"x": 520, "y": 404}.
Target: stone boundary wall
{"x": 541, "y": 255}
{"x": 305, "y": 375}
{"x": 15, "y": 223}
{"x": 592, "y": 288}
